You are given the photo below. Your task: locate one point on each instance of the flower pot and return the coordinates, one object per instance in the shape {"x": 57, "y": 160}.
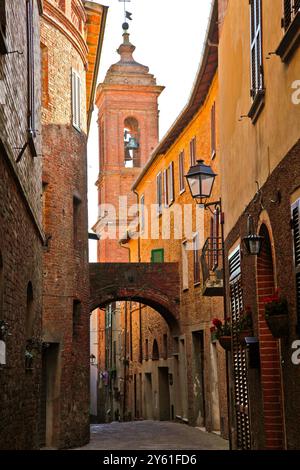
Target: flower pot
{"x": 244, "y": 334}
{"x": 278, "y": 325}
{"x": 225, "y": 342}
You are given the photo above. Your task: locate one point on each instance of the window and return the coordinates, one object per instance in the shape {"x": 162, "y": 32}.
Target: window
{"x": 142, "y": 219}
{"x": 76, "y": 316}
{"x": 45, "y": 75}
{"x": 155, "y": 351}
{"x": 131, "y": 143}
{"x": 169, "y": 185}
{"x": 166, "y": 188}
{"x": 196, "y": 259}
{"x": 3, "y": 45}
{"x": 159, "y": 193}
{"x": 181, "y": 172}
{"x": 165, "y": 344}
{"x": 29, "y": 312}
{"x": 157, "y": 256}
{"x": 76, "y": 88}
{"x": 213, "y": 131}
{"x": 291, "y": 25}
{"x": 215, "y": 245}
{"x": 193, "y": 151}
{"x": 185, "y": 265}
{"x": 291, "y": 9}
{"x": 76, "y": 209}
{"x": 146, "y": 350}
{"x": 256, "y": 49}
{"x": 296, "y": 237}
{"x": 31, "y": 75}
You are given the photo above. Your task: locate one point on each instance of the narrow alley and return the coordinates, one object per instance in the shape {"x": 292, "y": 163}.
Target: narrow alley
{"x": 147, "y": 435}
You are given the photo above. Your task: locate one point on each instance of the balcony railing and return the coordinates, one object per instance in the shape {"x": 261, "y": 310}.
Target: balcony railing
{"x": 212, "y": 267}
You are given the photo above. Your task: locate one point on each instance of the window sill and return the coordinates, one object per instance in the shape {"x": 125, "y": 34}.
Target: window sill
{"x": 290, "y": 40}
{"x": 182, "y": 191}
{"x": 257, "y": 106}
{"x": 197, "y": 284}
{"x": 185, "y": 289}
{"x": 213, "y": 155}
{"x": 77, "y": 128}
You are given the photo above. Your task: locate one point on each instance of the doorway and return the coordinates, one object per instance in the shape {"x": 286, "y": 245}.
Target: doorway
{"x": 148, "y": 399}
{"x": 164, "y": 393}
{"x": 199, "y": 392}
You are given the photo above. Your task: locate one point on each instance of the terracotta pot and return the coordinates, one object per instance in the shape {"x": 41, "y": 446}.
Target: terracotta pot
{"x": 278, "y": 325}
{"x": 225, "y": 342}
{"x": 243, "y": 335}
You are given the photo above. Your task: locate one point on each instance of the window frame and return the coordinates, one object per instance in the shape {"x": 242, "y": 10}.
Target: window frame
{"x": 159, "y": 195}
{"x": 181, "y": 172}
{"x": 162, "y": 253}
{"x": 76, "y": 99}
{"x": 185, "y": 265}
{"x": 196, "y": 260}
{"x": 193, "y": 143}
{"x": 142, "y": 213}
{"x": 171, "y": 191}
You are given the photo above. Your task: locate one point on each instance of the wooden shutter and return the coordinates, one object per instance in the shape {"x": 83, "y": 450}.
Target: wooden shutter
{"x": 76, "y": 92}
{"x": 196, "y": 259}
{"x": 213, "y": 130}
{"x": 296, "y": 237}
{"x": 159, "y": 192}
{"x": 171, "y": 195}
{"x": 181, "y": 171}
{"x": 166, "y": 188}
{"x": 256, "y": 48}
{"x": 30, "y": 66}
{"x": 193, "y": 151}
{"x": 157, "y": 256}
{"x": 240, "y": 375}
{"x": 291, "y": 8}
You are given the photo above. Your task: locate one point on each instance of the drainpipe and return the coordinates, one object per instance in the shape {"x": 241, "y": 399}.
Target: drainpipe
{"x": 125, "y": 362}
{"x": 140, "y": 307}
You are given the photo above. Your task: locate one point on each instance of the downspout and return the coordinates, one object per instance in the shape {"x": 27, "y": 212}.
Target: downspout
{"x": 125, "y": 363}
{"x": 139, "y": 260}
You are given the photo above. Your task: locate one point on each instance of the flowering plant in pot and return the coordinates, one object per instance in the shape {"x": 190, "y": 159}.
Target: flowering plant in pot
{"x": 276, "y": 314}
{"x": 244, "y": 326}
{"x": 222, "y": 332}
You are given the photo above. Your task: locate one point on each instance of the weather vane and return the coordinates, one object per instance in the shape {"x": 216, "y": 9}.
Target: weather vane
{"x": 127, "y": 15}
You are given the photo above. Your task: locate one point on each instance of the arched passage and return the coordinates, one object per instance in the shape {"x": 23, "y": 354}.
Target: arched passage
{"x": 152, "y": 284}
{"x": 269, "y": 350}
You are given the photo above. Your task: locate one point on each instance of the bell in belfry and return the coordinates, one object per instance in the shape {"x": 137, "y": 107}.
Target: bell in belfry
{"x": 132, "y": 144}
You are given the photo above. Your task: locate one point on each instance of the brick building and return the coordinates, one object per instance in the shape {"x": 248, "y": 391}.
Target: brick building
{"x": 259, "y": 143}
{"x": 71, "y": 41}
{"x": 21, "y": 234}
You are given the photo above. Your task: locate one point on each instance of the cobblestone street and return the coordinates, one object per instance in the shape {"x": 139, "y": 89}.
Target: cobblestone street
{"x": 151, "y": 435}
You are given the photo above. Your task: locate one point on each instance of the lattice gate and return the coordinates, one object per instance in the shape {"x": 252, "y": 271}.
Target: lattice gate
{"x": 240, "y": 373}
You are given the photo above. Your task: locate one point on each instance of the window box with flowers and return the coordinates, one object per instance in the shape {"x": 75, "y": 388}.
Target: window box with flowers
{"x": 276, "y": 314}
{"x": 244, "y": 327}
{"x": 221, "y": 331}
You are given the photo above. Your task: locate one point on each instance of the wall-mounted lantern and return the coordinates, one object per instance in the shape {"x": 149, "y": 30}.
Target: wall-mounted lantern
{"x": 252, "y": 242}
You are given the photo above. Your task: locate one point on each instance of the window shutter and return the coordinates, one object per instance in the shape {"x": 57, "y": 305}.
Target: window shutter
{"x": 256, "y": 48}
{"x": 213, "y": 130}
{"x": 193, "y": 151}
{"x": 157, "y": 256}
{"x": 181, "y": 171}
{"x": 159, "y": 192}
{"x": 171, "y": 183}
{"x": 76, "y": 92}
{"x": 296, "y": 236}
{"x": 166, "y": 188}
{"x": 196, "y": 259}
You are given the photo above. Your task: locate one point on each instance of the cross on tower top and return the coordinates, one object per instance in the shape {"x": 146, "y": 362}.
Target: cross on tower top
{"x": 127, "y": 16}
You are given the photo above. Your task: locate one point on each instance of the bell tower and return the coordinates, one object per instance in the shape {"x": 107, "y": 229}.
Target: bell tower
{"x": 128, "y": 133}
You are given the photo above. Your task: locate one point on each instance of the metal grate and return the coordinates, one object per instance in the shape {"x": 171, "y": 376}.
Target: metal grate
{"x": 239, "y": 357}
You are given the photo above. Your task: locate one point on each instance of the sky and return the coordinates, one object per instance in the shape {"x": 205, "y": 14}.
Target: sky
{"x": 169, "y": 37}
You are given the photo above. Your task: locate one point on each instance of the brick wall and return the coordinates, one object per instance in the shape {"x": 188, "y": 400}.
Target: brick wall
{"x": 66, "y": 287}
{"x": 20, "y": 237}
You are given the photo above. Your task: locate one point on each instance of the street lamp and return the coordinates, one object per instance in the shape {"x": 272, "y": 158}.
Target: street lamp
{"x": 201, "y": 178}
{"x": 253, "y": 242}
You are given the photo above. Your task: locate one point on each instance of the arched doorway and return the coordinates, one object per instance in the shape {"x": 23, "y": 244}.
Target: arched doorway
{"x": 271, "y": 381}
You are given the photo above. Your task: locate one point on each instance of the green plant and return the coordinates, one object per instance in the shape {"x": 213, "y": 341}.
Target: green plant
{"x": 220, "y": 328}
{"x": 275, "y": 304}
{"x": 245, "y": 323}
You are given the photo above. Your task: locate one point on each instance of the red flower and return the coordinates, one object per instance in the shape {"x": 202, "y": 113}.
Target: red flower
{"x": 217, "y": 323}
{"x": 212, "y": 329}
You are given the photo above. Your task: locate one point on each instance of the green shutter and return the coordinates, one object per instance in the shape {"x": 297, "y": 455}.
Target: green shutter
{"x": 157, "y": 256}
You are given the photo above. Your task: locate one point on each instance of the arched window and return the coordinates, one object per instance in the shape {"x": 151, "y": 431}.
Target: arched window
{"x": 131, "y": 143}
{"x": 155, "y": 351}
{"x": 29, "y": 311}
{"x": 1, "y": 286}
